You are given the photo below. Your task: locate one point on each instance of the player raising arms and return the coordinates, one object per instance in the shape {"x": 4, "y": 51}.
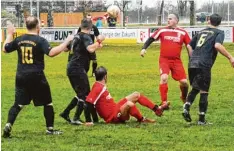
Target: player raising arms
{"x": 119, "y": 112}
{"x": 172, "y": 39}
{"x": 93, "y": 33}
{"x": 31, "y": 83}
{"x": 81, "y": 47}
{"x": 205, "y": 45}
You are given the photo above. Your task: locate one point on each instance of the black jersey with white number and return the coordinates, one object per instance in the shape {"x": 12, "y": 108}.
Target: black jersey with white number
{"x": 80, "y": 56}
{"x": 203, "y": 44}
{"x": 31, "y": 49}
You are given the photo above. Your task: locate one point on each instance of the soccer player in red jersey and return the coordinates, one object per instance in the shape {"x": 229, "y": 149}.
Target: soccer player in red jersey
{"x": 172, "y": 39}
{"x": 119, "y": 112}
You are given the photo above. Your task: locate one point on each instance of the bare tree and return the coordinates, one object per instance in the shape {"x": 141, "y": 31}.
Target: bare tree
{"x": 140, "y": 11}
{"x": 86, "y": 6}
{"x": 182, "y": 8}
{"x": 160, "y": 13}
{"x": 123, "y": 6}
{"x": 192, "y": 13}
{"x": 50, "y": 22}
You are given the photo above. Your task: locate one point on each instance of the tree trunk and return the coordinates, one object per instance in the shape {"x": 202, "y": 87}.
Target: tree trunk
{"x": 140, "y": 12}
{"x": 192, "y": 18}
{"x": 160, "y": 14}
{"x": 50, "y": 22}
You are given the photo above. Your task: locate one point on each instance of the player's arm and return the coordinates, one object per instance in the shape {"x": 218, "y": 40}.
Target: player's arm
{"x": 62, "y": 47}
{"x": 90, "y": 46}
{"x": 220, "y": 48}
{"x": 9, "y": 45}
{"x": 187, "y": 41}
{"x": 191, "y": 46}
{"x": 149, "y": 41}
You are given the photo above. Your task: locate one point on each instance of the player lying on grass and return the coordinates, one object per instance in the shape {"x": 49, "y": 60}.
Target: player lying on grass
{"x": 206, "y": 45}
{"x": 31, "y": 83}
{"x": 119, "y": 112}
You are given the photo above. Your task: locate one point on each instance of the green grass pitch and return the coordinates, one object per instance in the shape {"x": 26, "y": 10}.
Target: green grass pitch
{"x": 127, "y": 72}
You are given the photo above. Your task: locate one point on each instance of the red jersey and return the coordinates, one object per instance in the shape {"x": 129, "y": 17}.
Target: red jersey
{"x": 171, "y": 41}
{"x": 104, "y": 103}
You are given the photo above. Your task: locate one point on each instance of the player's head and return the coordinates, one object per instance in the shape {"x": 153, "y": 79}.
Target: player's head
{"x": 32, "y": 23}
{"x": 173, "y": 20}
{"x": 215, "y": 20}
{"x": 86, "y": 24}
{"x": 89, "y": 16}
{"x": 101, "y": 74}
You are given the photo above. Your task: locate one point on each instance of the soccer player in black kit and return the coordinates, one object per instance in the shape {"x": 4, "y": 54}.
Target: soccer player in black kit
{"x": 205, "y": 46}
{"x": 93, "y": 33}
{"x": 81, "y": 47}
{"x": 31, "y": 83}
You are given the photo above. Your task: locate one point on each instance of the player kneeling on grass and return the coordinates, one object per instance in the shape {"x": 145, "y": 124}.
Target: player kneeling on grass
{"x": 31, "y": 83}
{"x": 206, "y": 44}
{"x": 119, "y": 112}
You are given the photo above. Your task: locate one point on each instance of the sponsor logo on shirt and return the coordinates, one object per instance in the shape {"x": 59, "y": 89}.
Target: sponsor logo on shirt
{"x": 172, "y": 38}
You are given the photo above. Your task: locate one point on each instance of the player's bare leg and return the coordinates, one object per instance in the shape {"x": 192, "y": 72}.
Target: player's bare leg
{"x": 163, "y": 89}
{"x": 144, "y": 101}
{"x": 184, "y": 89}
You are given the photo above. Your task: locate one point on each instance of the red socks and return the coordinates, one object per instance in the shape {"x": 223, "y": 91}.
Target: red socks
{"x": 163, "y": 88}
{"x": 144, "y": 101}
{"x": 136, "y": 113}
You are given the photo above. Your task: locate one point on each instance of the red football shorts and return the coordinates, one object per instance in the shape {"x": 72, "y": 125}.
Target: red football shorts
{"x": 174, "y": 65}
{"x": 118, "y": 118}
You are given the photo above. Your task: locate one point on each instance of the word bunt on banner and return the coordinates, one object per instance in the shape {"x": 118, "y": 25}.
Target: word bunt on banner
{"x": 56, "y": 35}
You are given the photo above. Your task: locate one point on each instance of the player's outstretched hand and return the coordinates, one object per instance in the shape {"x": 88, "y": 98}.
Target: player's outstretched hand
{"x": 232, "y": 61}
{"x": 101, "y": 38}
{"x": 143, "y": 52}
{"x": 10, "y": 28}
{"x": 100, "y": 45}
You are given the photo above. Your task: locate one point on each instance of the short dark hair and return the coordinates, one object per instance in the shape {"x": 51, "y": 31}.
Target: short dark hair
{"x": 31, "y": 22}
{"x": 215, "y": 19}
{"x": 100, "y": 73}
{"x": 177, "y": 16}
{"x": 86, "y": 24}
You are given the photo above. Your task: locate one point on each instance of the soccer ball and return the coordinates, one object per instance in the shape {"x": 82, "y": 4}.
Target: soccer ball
{"x": 113, "y": 11}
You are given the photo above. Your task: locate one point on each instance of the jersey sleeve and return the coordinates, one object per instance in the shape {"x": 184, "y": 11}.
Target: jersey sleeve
{"x": 96, "y": 31}
{"x": 156, "y": 34}
{"x": 45, "y": 46}
{"x": 186, "y": 38}
{"x": 12, "y": 46}
{"x": 220, "y": 38}
{"x": 87, "y": 41}
{"x": 193, "y": 42}
{"x": 94, "y": 94}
